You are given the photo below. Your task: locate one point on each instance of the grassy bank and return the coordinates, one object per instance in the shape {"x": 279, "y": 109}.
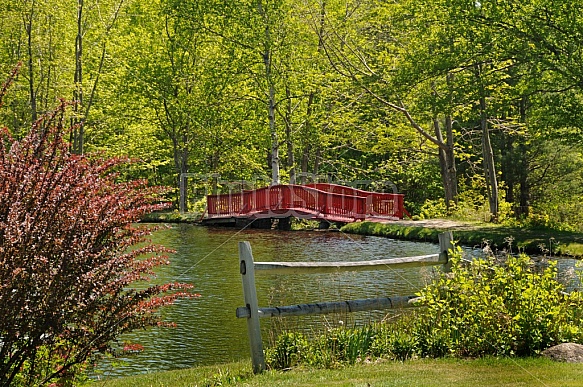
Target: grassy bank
{"x": 427, "y": 373}
{"x": 530, "y": 241}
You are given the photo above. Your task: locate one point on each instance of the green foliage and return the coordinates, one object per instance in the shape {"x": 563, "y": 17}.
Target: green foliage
{"x": 336, "y": 347}
{"x": 482, "y": 307}
{"x": 435, "y": 209}
{"x": 226, "y": 377}
{"x": 342, "y": 346}
{"x": 472, "y": 206}
{"x": 539, "y": 221}
{"x": 53, "y": 359}
{"x": 392, "y": 230}
{"x": 193, "y": 95}
{"x": 486, "y": 307}
{"x": 394, "y": 340}
{"x": 198, "y": 206}
{"x": 290, "y": 350}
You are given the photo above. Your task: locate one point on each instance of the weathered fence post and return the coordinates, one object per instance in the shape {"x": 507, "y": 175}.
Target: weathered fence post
{"x": 247, "y": 269}
{"x": 445, "y": 244}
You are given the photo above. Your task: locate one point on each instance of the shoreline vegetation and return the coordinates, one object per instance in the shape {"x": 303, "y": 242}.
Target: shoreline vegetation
{"x": 421, "y": 370}
{"x": 532, "y": 241}
{"x": 420, "y": 366}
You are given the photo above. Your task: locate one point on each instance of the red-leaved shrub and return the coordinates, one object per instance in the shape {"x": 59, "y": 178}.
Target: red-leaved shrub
{"x": 68, "y": 255}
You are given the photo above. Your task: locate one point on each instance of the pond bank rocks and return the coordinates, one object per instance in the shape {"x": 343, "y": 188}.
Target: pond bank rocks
{"x": 566, "y": 352}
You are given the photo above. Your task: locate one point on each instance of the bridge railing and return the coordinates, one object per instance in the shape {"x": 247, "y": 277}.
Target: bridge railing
{"x": 378, "y": 203}
{"x": 278, "y": 200}
{"x": 252, "y": 312}
{"x": 224, "y": 204}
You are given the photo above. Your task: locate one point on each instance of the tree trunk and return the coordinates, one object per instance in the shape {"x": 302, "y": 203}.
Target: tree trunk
{"x": 446, "y": 163}
{"x": 449, "y": 150}
{"x": 489, "y": 166}
{"x": 305, "y": 163}
{"x": 271, "y": 99}
{"x": 274, "y": 138}
{"x": 291, "y": 162}
{"x": 524, "y": 183}
{"x": 487, "y": 152}
{"x": 317, "y": 159}
{"x": 78, "y": 80}
{"x": 451, "y": 170}
{"x": 28, "y": 27}
{"x": 181, "y": 153}
{"x": 445, "y": 150}
{"x": 89, "y": 103}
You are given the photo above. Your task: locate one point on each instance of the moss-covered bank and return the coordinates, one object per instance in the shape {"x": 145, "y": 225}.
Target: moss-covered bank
{"x": 530, "y": 241}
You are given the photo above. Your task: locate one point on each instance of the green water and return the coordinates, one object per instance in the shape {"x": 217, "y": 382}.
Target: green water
{"x": 207, "y": 330}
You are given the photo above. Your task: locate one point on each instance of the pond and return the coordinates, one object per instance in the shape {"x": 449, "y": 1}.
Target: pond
{"x": 207, "y": 331}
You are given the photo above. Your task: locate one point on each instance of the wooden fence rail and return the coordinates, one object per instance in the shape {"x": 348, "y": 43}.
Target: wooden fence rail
{"x": 252, "y": 312}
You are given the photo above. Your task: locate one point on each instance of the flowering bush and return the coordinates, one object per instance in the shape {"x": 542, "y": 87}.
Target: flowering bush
{"x": 68, "y": 255}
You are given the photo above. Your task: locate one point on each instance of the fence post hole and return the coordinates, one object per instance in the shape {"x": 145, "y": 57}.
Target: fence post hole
{"x": 445, "y": 244}
{"x": 247, "y": 269}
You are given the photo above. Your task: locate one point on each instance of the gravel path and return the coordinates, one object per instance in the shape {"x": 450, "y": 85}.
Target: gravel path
{"x": 445, "y": 224}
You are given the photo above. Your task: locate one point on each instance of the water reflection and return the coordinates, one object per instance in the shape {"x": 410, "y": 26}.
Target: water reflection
{"x": 207, "y": 330}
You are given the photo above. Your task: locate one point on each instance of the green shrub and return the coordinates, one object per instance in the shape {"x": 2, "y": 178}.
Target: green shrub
{"x": 341, "y": 346}
{"x": 499, "y": 308}
{"x": 539, "y": 221}
{"x": 289, "y": 351}
{"x": 490, "y": 306}
{"x": 394, "y": 340}
{"x": 53, "y": 358}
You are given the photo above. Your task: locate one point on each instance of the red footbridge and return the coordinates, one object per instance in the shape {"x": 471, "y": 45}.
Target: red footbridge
{"x": 320, "y": 201}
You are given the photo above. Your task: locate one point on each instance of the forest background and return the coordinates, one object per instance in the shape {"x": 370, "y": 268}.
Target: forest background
{"x": 472, "y": 108}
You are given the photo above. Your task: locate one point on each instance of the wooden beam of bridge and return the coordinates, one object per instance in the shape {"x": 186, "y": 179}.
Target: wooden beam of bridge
{"x": 334, "y": 267}
{"x": 332, "y": 307}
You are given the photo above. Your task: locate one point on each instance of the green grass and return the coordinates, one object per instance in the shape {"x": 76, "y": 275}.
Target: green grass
{"x": 528, "y": 240}
{"x": 426, "y": 373}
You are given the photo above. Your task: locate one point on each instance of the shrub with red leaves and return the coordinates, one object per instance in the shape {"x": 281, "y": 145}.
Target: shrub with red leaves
{"x": 67, "y": 255}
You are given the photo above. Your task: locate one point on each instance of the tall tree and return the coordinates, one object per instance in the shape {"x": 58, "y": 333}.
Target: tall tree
{"x": 97, "y": 19}
{"x": 369, "y": 42}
